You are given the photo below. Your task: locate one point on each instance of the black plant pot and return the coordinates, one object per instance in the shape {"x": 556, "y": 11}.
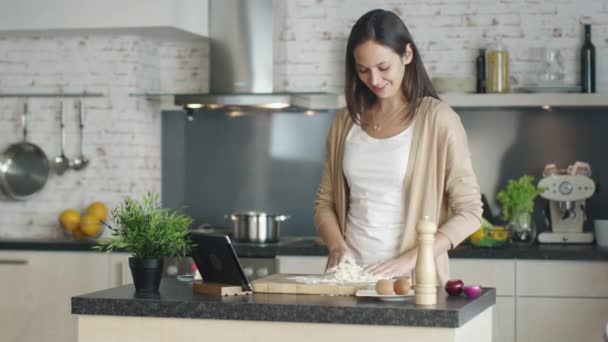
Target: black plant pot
{"x": 146, "y": 274}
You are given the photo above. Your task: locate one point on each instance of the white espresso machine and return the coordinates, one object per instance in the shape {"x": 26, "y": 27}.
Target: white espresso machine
{"x": 567, "y": 191}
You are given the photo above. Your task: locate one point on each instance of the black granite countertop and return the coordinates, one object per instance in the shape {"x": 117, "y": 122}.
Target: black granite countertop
{"x": 288, "y": 246}
{"x": 538, "y": 252}
{"x": 176, "y": 300}
{"x": 46, "y": 245}
{"x": 308, "y": 246}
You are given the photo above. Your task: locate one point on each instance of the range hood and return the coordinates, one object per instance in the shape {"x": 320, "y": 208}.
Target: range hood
{"x": 241, "y": 62}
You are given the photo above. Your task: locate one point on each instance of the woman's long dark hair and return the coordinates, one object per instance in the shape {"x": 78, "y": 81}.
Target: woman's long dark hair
{"x": 387, "y": 29}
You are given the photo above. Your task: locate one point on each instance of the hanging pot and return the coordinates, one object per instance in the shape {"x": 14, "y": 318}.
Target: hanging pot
{"x": 254, "y": 226}
{"x": 24, "y": 167}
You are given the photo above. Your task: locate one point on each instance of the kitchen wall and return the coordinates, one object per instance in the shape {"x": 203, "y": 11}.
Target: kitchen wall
{"x": 264, "y": 162}
{"x": 273, "y": 162}
{"x": 122, "y": 133}
{"x": 311, "y": 36}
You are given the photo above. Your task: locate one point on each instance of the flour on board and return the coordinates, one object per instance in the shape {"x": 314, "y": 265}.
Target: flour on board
{"x": 347, "y": 272}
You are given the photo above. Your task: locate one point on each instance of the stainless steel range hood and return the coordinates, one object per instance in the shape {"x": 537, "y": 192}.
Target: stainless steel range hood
{"x": 241, "y": 62}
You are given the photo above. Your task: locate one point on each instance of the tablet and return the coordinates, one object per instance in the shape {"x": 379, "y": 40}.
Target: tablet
{"x": 216, "y": 260}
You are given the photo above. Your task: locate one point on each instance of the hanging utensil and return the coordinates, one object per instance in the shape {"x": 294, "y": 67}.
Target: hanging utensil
{"x": 24, "y": 167}
{"x": 61, "y": 162}
{"x": 80, "y": 162}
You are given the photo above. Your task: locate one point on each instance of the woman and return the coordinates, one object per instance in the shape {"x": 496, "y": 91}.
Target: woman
{"x": 396, "y": 154}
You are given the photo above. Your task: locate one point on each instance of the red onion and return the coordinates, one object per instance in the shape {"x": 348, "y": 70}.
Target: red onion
{"x": 454, "y": 287}
{"x": 472, "y": 291}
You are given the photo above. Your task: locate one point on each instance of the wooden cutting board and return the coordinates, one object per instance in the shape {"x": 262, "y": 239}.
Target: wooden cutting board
{"x": 280, "y": 283}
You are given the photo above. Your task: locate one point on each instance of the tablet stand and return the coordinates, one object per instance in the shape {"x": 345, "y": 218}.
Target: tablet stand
{"x": 217, "y": 289}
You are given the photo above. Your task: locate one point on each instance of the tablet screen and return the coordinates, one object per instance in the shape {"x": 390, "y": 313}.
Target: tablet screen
{"x": 217, "y": 261}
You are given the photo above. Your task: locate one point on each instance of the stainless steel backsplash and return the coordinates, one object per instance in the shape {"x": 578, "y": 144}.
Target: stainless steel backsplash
{"x": 218, "y": 164}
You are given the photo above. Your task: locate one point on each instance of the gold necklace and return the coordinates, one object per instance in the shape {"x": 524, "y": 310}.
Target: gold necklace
{"x": 377, "y": 126}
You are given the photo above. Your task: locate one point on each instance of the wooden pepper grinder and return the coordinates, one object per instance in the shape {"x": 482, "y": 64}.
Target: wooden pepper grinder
{"x": 425, "y": 288}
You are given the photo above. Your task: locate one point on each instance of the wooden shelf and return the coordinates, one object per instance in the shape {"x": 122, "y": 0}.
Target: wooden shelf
{"x": 523, "y": 100}
{"x": 510, "y": 100}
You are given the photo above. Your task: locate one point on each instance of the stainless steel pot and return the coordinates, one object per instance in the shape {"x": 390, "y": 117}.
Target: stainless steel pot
{"x": 254, "y": 226}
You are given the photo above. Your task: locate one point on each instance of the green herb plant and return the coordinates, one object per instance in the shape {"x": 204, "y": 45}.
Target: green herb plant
{"x": 146, "y": 230}
{"x": 518, "y": 197}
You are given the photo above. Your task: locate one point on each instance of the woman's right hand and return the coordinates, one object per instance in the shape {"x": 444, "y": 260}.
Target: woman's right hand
{"x": 337, "y": 256}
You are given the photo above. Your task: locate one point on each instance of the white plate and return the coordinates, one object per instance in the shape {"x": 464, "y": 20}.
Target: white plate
{"x": 388, "y": 298}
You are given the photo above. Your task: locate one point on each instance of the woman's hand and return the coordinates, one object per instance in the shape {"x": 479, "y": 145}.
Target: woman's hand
{"x": 397, "y": 267}
{"x": 337, "y": 256}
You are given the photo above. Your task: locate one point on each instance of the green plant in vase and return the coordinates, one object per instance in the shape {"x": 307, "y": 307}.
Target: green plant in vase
{"x": 150, "y": 233}
{"x": 517, "y": 201}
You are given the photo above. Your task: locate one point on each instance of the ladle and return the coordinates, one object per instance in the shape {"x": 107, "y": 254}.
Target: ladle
{"x": 81, "y": 161}
{"x": 61, "y": 163}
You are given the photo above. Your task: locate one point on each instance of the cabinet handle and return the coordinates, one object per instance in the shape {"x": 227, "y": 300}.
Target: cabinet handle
{"x": 14, "y": 262}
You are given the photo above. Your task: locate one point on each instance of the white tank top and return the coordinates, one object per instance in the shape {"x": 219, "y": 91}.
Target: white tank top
{"x": 375, "y": 172}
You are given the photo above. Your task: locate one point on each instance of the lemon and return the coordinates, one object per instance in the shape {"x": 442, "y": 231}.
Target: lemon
{"x": 98, "y": 209}
{"x": 90, "y": 225}
{"x": 478, "y": 235}
{"x": 78, "y": 234}
{"x": 499, "y": 233}
{"x": 69, "y": 219}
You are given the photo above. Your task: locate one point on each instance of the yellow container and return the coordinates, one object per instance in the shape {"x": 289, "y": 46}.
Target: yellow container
{"x": 497, "y": 69}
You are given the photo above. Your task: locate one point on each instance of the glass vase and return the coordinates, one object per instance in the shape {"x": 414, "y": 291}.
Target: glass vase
{"x": 522, "y": 228}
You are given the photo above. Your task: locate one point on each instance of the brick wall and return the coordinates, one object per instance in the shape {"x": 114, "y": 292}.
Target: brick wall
{"x": 311, "y": 35}
{"x": 122, "y": 133}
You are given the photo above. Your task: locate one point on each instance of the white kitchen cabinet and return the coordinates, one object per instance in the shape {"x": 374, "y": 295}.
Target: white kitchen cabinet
{"x": 499, "y": 274}
{"x": 547, "y": 278}
{"x": 174, "y": 17}
{"x": 119, "y": 271}
{"x": 36, "y": 290}
{"x": 561, "y": 300}
{"x": 561, "y": 319}
{"x": 503, "y": 327}
{"x": 302, "y": 264}
{"x": 17, "y": 294}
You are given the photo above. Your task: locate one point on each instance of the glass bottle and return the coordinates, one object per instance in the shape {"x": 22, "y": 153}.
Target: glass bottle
{"x": 588, "y": 63}
{"x": 522, "y": 228}
{"x": 480, "y": 66}
{"x": 497, "y": 69}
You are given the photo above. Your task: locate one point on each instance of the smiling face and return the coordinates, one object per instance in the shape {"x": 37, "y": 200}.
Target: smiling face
{"x": 380, "y": 68}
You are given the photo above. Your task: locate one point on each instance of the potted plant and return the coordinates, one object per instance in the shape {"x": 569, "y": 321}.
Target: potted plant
{"x": 150, "y": 233}
{"x": 517, "y": 201}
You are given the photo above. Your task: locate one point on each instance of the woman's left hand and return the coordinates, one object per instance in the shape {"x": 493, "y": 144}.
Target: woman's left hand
{"x": 397, "y": 267}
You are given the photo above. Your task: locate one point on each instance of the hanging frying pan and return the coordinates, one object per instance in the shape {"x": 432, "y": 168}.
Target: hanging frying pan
{"x": 24, "y": 168}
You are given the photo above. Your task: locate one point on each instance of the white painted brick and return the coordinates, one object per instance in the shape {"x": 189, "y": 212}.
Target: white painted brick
{"x": 438, "y": 27}
{"x": 122, "y": 135}
{"x": 123, "y": 132}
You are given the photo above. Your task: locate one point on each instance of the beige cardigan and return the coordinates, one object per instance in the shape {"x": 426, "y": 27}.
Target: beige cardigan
{"x": 439, "y": 180}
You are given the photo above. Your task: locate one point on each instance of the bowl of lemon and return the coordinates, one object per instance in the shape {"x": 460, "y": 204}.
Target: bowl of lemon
{"x": 489, "y": 235}
{"x": 85, "y": 226}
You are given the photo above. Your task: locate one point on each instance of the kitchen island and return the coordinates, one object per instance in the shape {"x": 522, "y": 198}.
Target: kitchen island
{"x": 119, "y": 314}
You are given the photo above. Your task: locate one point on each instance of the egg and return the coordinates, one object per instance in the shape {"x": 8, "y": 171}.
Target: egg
{"x": 402, "y": 286}
{"x": 384, "y": 287}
